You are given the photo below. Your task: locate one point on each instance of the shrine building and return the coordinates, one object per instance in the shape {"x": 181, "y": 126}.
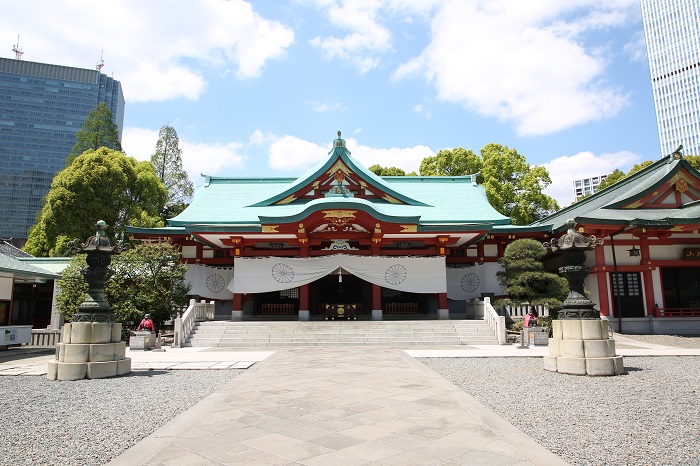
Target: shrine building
{"x": 341, "y": 236}
{"x": 342, "y": 242}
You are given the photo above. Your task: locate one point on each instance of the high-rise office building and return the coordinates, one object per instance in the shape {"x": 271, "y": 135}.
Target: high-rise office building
{"x": 587, "y": 186}
{"x": 42, "y": 106}
{"x": 672, "y": 30}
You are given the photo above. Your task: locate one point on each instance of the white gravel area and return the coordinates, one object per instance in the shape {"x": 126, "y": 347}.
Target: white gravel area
{"x": 678, "y": 341}
{"x": 648, "y": 416}
{"x": 89, "y": 422}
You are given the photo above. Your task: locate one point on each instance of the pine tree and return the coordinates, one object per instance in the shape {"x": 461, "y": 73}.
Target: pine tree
{"x": 167, "y": 161}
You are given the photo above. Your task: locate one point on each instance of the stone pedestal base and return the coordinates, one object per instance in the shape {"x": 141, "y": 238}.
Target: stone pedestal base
{"x": 376, "y": 314}
{"x": 236, "y": 316}
{"x": 304, "y": 316}
{"x": 89, "y": 349}
{"x": 142, "y": 340}
{"x": 443, "y": 314}
{"x": 582, "y": 347}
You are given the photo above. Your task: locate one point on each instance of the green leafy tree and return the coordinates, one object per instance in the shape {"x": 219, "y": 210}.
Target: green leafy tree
{"x": 100, "y": 185}
{"x": 525, "y": 279}
{"x": 451, "y": 162}
{"x": 389, "y": 171}
{"x": 693, "y": 160}
{"x": 72, "y": 287}
{"x": 148, "y": 279}
{"x": 618, "y": 175}
{"x": 611, "y": 179}
{"x": 98, "y": 131}
{"x": 513, "y": 187}
{"x": 167, "y": 161}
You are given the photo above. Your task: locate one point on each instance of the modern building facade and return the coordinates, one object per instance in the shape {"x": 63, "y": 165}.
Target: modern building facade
{"x": 587, "y": 186}
{"x": 42, "y": 107}
{"x": 672, "y": 30}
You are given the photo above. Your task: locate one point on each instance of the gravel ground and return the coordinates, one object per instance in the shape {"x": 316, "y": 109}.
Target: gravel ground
{"x": 648, "y": 416}
{"x": 89, "y": 422}
{"x": 679, "y": 341}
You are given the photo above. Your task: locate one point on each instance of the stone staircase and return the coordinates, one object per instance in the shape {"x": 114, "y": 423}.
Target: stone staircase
{"x": 341, "y": 333}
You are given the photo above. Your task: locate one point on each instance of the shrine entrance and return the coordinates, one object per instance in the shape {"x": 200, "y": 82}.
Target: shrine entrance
{"x": 342, "y": 296}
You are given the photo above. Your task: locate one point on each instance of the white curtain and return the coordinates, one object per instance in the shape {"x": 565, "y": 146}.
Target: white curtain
{"x": 411, "y": 274}
{"x": 471, "y": 282}
{"x": 210, "y": 282}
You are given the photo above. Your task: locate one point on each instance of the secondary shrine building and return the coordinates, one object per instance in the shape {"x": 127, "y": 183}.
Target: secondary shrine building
{"x": 341, "y": 242}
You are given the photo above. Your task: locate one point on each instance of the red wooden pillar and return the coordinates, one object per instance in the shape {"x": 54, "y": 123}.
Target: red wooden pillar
{"x": 237, "y": 311}
{"x": 376, "y": 302}
{"x": 304, "y": 297}
{"x": 646, "y": 275}
{"x": 602, "y": 278}
{"x": 443, "y": 308}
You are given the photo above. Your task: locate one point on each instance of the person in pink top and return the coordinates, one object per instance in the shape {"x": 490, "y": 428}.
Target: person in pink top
{"x": 530, "y": 319}
{"x": 147, "y": 324}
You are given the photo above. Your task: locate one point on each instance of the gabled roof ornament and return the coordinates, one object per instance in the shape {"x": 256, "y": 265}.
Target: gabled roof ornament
{"x": 340, "y": 142}
{"x": 677, "y": 154}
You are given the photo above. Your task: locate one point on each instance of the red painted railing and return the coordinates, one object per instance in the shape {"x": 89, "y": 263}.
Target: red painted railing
{"x": 676, "y": 312}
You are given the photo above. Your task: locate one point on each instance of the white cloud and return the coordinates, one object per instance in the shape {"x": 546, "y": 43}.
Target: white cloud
{"x": 325, "y": 106}
{"x": 291, "y": 153}
{"x": 197, "y": 158}
{"x": 366, "y": 40}
{"x": 566, "y": 169}
{"x": 522, "y": 62}
{"x": 155, "y": 48}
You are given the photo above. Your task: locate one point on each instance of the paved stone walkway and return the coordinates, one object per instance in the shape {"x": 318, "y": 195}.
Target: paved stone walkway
{"x": 338, "y": 406}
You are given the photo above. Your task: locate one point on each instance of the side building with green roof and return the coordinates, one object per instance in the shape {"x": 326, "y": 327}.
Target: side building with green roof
{"x": 646, "y": 276}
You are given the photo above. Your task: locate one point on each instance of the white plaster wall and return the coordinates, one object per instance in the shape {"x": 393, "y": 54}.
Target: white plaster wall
{"x": 6, "y": 288}
{"x": 490, "y": 250}
{"x": 189, "y": 252}
{"x": 667, "y": 252}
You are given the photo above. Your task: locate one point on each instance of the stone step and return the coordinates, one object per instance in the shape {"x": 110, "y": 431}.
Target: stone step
{"x": 334, "y": 333}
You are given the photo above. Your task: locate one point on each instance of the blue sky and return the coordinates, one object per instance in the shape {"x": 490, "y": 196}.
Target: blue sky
{"x": 260, "y": 88}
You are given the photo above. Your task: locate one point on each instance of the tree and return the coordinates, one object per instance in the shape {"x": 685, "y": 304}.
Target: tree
{"x": 72, "y": 287}
{"x": 99, "y": 185}
{"x": 98, "y": 131}
{"x": 451, "y": 162}
{"x": 389, "y": 171}
{"x": 513, "y": 187}
{"x": 148, "y": 279}
{"x": 618, "y": 175}
{"x": 525, "y": 279}
{"x": 167, "y": 161}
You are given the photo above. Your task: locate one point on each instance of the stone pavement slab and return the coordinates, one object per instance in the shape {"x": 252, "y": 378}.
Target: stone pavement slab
{"x": 338, "y": 405}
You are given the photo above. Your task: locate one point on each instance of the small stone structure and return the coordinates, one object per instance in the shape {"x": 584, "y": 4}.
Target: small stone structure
{"x": 92, "y": 345}
{"x": 580, "y": 344}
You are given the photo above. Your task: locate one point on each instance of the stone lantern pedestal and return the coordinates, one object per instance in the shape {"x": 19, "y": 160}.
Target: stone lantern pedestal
{"x": 92, "y": 345}
{"x": 92, "y": 350}
{"x": 580, "y": 343}
{"x": 582, "y": 347}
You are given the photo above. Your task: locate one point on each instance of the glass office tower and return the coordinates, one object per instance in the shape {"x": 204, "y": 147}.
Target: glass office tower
{"x": 42, "y": 106}
{"x": 672, "y": 30}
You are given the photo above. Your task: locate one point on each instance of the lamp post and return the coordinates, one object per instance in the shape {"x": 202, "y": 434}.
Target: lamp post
{"x": 99, "y": 249}
{"x": 573, "y": 246}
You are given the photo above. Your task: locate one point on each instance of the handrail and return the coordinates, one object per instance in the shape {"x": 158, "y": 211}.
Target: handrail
{"x": 496, "y": 322}
{"x": 196, "y": 312}
{"x": 45, "y": 337}
{"x": 676, "y": 312}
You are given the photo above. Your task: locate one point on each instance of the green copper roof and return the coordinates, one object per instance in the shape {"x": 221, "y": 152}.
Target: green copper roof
{"x": 341, "y": 152}
{"x": 605, "y": 207}
{"x": 248, "y": 202}
{"x": 19, "y": 269}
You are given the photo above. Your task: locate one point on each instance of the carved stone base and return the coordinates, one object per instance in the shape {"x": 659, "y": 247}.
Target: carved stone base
{"x": 582, "y": 347}
{"x": 89, "y": 349}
